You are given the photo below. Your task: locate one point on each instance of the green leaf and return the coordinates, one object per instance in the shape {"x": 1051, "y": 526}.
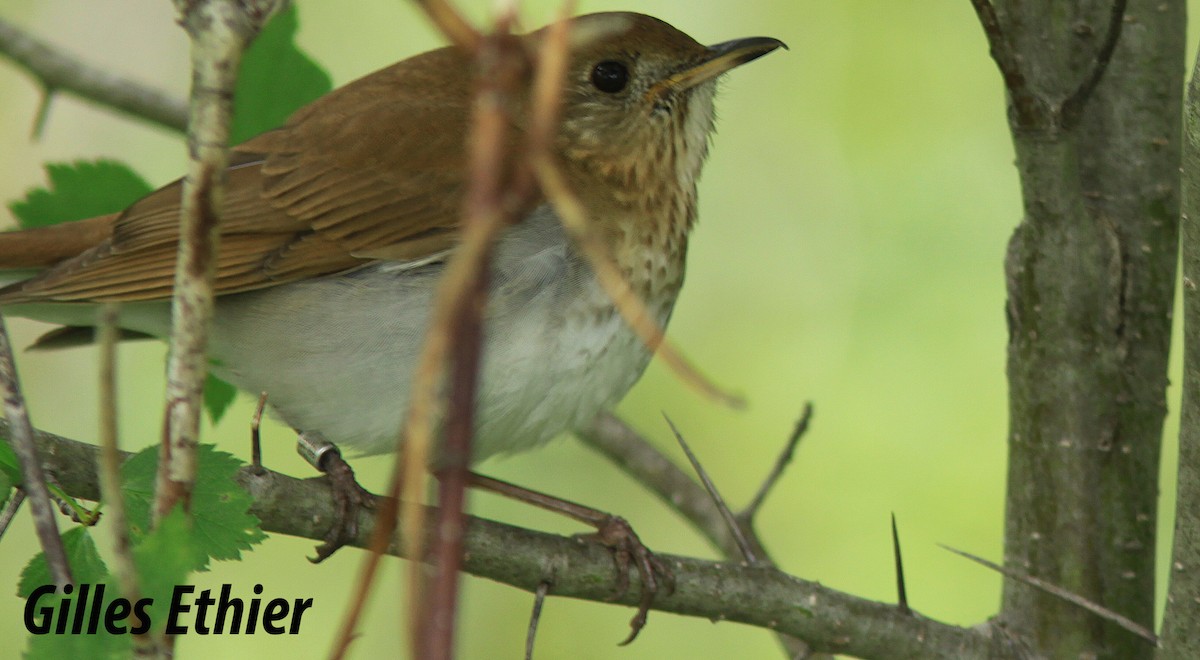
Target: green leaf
{"x": 85, "y": 561}
{"x": 138, "y": 473}
{"x": 101, "y": 646}
{"x": 6, "y": 489}
{"x": 276, "y": 79}
{"x": 10, "y": 472}
{"x": 164, "y": 558}
{"x": 218, "y": 396}
{"x": 219, "y": 506}
{"x": 8, "y": 462}
{"x": 79, "y": 190}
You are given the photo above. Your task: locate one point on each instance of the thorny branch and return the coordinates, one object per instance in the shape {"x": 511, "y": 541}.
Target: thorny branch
{"x": 619, "y": 443}
{"x": 34, "y": 478}
{"x": 55, "y": 71}
{"x": 757, "y": 595}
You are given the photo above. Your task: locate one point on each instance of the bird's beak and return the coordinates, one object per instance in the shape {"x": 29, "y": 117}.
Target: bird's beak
{"x": 720, "y": 58}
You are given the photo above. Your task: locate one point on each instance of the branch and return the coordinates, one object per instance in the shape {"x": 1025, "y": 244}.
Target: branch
{"x": 55, "y": 70}
{"x": 33, "y": 478}
{"x": 1026, "y": 105}
{"x": 830, "y": 621}
{"x": 220, "y": 30}
{"x": 622, "y": 445}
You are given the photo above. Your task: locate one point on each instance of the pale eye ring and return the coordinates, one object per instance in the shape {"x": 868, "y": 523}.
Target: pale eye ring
{"x": 610, "y": 76}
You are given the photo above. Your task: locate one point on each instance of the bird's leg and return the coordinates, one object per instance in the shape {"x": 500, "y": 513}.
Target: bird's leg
{"x": 348, "y": 496}
{"x": 611, "y": 531}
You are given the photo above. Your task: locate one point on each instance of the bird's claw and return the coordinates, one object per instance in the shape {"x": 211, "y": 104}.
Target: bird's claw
{"x": 616, "y": 534}
{"x": 348, "y": 495}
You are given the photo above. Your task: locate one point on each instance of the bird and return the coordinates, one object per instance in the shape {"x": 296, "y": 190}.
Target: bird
{"x": 337, "y": 225}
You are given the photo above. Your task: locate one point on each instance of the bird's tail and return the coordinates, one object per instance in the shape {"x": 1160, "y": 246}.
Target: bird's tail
{"x": 35, "y": 249}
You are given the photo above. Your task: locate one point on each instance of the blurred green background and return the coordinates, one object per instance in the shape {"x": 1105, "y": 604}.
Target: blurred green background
{"x": 854, "y": 214}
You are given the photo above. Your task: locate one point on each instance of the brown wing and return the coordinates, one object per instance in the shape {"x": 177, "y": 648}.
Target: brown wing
{"x": 373, "y": 170}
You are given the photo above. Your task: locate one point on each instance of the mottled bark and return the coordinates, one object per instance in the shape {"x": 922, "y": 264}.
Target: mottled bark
{"x": 1090, "y": 271}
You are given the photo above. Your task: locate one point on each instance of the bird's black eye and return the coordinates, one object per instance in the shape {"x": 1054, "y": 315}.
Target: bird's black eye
{"x": 610, "y": 77}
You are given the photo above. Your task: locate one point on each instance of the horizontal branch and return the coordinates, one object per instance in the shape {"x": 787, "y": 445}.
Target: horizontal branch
{"x": 760, "y": 596}
{"x": 55, "y": 71}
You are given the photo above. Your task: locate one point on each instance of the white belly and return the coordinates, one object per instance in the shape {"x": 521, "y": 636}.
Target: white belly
{"x": 337, "y": 354}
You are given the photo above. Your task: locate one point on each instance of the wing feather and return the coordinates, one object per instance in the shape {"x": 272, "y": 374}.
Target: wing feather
{"x": 374, "y": 170}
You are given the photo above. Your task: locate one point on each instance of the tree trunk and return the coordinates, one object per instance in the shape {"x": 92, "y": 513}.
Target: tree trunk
{"x": 1181, "y": 622}
{"x": 1091, "y": 272}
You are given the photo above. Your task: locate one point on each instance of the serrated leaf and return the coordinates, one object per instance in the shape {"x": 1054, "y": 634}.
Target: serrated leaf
{"x": 76, "y": 643}
{"x": 276, "y": 79}
{"x": 219, "y": 506}
{"x": 222, "y": 507}
{"x": 85, "y": 561}
{"x": 218, "y": 396}
{"x": 80, "y": 190}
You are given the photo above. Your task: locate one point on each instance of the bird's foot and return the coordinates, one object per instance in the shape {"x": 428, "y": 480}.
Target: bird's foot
{"x": 613, "y": 532}
{"x": 348, "y": 495}
{"x": 616, "y": 534}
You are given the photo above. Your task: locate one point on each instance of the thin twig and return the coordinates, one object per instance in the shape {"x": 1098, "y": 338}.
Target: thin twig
{"x": 757, "y": 595}
{"x": 901, "y": 589}
{"x": 451, "y": 22}
{"x": 1059, "y": 592}
{"x": 33, "y": 479}
{"x": 1001, "y": 51}
{"x": 1072, "y": 107}
{"x": 56, "y": 71}
{"x": 220, "y": 31}
{"x": 620, "y": 444}
{"x": 730, "y": 521}
{"x": 109, "y": 468}
{"x": 11, "y": 507}
{"x": 380, "y": 542}
{"x": 1024, "y": 102}
{"x": 539, "y": 599}
{"x": 781, "y": 463}
{"x": 637, "y": 457}
{"x": 500, "y": 66}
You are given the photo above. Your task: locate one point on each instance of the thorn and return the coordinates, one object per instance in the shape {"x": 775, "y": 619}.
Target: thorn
{"x": 11, "y": 507}
{"x": 1054, "y": 590}
{"x": 539, "y": 599}
{"x": 43, "y": 113}
{"x": 781, "y": 463}
{"x": 734, "y": 529}
{"x": 901, "y": 591}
